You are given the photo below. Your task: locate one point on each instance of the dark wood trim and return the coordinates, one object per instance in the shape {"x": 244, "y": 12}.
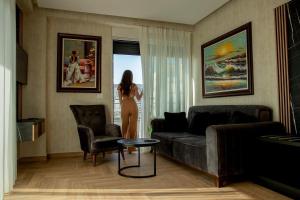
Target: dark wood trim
{"x": 59, "y": 88}
{"x": 64, "y": 155}
{"x": 282, "y": 67}
{"x": 19, "y": 101}
{"x": 32, "y": 159}
{"x": 94, "y": 159}
{"x": 84, "y": 155}
{"x": 19, "y": 28}
{"x": 250, "y": 90}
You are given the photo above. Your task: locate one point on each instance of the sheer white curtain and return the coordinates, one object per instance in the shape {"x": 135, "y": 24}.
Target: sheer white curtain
{"x": 8, "y": 143}
{"x": 166, "y": 63}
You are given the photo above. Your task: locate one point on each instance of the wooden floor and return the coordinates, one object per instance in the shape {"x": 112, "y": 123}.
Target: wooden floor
{"x": 75, "y": 179}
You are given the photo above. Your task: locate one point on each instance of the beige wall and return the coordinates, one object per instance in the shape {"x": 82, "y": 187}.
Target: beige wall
{"x": 230, "y": 16}
{"x": 61, "y": 127}
{"x": 40, "y": 96}
{"x": 34, "y": 93}
{"x": 40, "y": 32}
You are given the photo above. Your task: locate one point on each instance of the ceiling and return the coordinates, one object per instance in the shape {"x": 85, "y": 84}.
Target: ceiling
{"x": 178, "y": 11}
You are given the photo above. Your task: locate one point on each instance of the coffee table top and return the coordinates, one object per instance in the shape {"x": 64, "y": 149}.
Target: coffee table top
{"x": 139, "y": 142}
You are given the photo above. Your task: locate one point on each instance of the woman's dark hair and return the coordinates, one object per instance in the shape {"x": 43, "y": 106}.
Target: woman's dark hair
{"x": 73, "y": 59}
{"x": 126, "y": 82}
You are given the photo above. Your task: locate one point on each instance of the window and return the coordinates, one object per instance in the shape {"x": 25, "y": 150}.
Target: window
{"x": 127, "y": 57}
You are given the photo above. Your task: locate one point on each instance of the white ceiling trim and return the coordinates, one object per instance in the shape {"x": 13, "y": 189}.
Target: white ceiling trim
{"x": 176, "y": 11}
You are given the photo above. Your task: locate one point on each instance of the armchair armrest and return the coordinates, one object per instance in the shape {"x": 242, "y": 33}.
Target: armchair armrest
{"x": 86, "y": 136}
{"x": 113, "y": 130}
{"x": 158, "y": 125}
{"x": 229, "y": 146}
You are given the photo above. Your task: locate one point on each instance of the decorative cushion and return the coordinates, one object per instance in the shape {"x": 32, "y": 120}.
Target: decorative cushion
{"x": 199, "y": 123}
{"x": 240, "y": 117}
{"x": 219, "y": 118}
{"x": 176, "y": 122}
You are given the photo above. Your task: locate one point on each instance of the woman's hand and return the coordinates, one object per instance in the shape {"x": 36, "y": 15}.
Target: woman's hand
{"x": 139, "y": 96}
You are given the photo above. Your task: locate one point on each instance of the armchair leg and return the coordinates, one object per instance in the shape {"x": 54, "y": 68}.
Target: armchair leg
{"x": 219, "y": 182}
{"x": 94, "y": 159}
{"x": 84, "y": 155}
{"x": 122, "y": 153}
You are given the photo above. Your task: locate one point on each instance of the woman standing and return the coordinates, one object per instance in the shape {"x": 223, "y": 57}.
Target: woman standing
{"x": 127, "y": 90}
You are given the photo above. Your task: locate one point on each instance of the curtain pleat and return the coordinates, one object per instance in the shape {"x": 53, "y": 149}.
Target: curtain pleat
{"x": 8, "y": 140}
{"x": 166, "y": 64}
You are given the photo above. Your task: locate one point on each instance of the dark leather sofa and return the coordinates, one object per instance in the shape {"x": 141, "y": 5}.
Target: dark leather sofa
{"x": 224, "y": 150}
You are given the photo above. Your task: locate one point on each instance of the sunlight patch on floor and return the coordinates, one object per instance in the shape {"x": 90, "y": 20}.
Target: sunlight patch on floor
{"x": 184, "y": 193}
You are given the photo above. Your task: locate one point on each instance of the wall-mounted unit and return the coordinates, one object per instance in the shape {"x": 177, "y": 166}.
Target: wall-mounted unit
{"x": 21, "y": 65}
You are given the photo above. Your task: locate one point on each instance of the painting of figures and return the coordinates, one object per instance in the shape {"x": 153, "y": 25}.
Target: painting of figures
{"x": 227, "y": 64}
{"x": 78, "y": 63}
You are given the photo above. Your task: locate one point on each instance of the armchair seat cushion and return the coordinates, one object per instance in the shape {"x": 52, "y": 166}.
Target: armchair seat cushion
{"x": 104, "y": 138}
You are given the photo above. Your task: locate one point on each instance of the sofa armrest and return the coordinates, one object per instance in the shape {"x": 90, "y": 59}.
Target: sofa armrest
{"x": 229, "y": 146}
{"x": 158, "y": 125}
{"x": 113, "y": 130}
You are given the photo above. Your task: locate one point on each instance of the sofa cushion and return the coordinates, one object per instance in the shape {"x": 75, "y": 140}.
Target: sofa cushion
{"x": 240, "y": 117}
{"x": 175, "y": 122}
{"x": 219, "y": 118}
{"x": 171, "y": 135}
{"x": 199, "y": 123}
{"x": 191, "y": 151}
{"x": 166, "y": 141}
{"x": 262, "y": 113}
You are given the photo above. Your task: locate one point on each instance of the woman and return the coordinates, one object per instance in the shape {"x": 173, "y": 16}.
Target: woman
{"x": 127, "y": 90}
{"x": 74, "y": 74}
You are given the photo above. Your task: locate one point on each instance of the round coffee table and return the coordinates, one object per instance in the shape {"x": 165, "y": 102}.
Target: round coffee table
{"x": 140, "y": 142}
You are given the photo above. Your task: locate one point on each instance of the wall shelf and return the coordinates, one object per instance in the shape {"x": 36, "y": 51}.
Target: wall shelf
{"x": 30, "y": 129}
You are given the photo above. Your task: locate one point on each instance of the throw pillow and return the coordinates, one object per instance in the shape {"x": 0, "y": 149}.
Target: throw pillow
{"x": 219, "y": 118}
{"x": 199, "y": 123}
{"x": 175, "y": 122}
{"x": 240, "y": 117}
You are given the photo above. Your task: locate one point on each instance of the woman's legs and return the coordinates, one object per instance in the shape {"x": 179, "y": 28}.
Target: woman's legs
{"x": 132, "y": 129}
{"x": 129, "y": 115}
{"x": 125, "y": 121}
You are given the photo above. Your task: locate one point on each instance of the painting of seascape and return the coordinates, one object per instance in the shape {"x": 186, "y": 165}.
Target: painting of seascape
{"x": 227, "y": 64}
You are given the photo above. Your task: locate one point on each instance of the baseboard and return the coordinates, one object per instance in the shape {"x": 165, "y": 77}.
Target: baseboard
{"x": 54, "y": 156}
{"x": 33, "y": 159}
{"x": 65, "y": 155}
{"x": 50, "y": 156}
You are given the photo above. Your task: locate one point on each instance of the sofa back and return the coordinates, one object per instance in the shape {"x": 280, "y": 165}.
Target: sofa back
{"x": 262, "y": 113}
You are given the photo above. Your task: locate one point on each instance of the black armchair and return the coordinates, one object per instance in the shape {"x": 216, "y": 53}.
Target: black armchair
{"x": 95, "y": 135}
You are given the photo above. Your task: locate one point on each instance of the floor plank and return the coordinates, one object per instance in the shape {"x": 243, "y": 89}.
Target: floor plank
{"x": 73, "y": 178}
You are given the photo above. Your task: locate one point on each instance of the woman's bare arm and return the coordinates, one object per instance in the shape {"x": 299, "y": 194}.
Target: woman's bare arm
{"x": 137, "y": 94}
{"x": 120, "y": 95}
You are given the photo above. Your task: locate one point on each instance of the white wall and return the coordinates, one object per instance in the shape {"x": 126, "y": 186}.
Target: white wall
{"x": 230, "y": 16}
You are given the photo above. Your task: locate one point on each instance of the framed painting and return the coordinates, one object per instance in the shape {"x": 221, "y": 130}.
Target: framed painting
{"x": 227, "y": 64}
{"x": 78, "y": 63}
